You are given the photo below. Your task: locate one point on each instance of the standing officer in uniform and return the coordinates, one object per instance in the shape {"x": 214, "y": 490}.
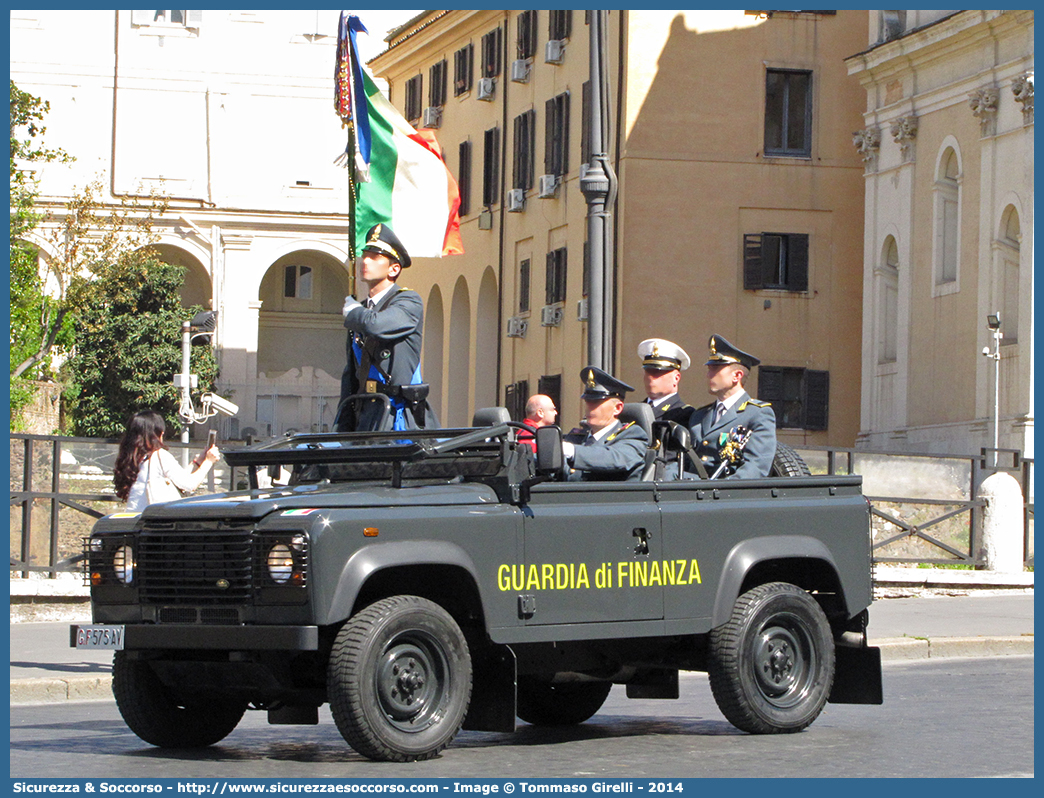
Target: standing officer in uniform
{"x": 384, "y": 344}
{"x": 711, "y": 424}
{"x": 662, "y": 365}
{"x": 603, "y": 448}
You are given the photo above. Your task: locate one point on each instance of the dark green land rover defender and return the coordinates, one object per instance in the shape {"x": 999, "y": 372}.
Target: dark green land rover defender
{"x": 424, "y": 582}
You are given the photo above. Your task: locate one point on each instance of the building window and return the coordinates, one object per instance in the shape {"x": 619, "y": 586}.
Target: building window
{"x": 176, "y": 19}
{"x": 559, "y": 24}
{"x": 462, "y": 63}
{"x": 523, "y": 286}
{"x": 550, "y": 385}
{"x": 515, "y": 397}
{"x": 799, "y": 397}
{"x": 492, "y": 44}
{"x": 491, "y": 167}
{"x": 464, "y": 177}
{"x": 585, "y": 278}
{"x": 555, "y": 285}
{"x": 414, "y": 87}
{"x": 437, "y": 84}
{"x": 775, "y": 260}
{"x": 1009, "y": 255}
{"x": 887, "y": 278}
{"x": 947, "y": 219}
{"x": 585, "y": 122}
{"x": 525, "y": 149}
{"x": 556, "y": 139}
{"x": 297, "y": 282}
{"x": 526, "y": 39}
{"x": 788, "y": 113}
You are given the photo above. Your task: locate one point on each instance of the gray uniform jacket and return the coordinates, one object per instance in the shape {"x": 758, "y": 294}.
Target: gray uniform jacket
{"x": 389, "y": 336}
{"x": 756, "y": 416}
{"x": 619, "y": 455}
{"x": 672, "y": 408}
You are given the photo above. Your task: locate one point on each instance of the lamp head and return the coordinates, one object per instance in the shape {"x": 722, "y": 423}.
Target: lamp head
{"x": 993, "y": 321}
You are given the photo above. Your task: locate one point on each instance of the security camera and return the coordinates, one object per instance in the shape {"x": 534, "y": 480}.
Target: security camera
{"x": 212, "y": 400}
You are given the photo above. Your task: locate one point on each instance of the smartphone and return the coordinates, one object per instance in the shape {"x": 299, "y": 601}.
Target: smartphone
{"x": 211, "y": 440}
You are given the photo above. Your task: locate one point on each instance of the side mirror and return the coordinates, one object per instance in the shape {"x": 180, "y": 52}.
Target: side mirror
{"x": 548, "y": 451}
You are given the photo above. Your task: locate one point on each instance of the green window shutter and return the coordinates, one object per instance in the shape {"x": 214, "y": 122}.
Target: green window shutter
{"x": 797, "y": 262}
{"x": 752, "y": 269}
{"x": 816, "y": 399}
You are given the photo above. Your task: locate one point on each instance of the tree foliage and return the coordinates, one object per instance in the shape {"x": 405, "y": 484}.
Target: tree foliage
{"x": 29, "y": 304}
{"x": 128, "y": 347}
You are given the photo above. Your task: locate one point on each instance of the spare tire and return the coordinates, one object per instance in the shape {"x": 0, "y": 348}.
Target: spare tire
{"x": 788, "y": 463}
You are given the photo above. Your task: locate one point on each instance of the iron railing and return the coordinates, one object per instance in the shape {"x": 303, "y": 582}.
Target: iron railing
{"x": 60, "y": 485}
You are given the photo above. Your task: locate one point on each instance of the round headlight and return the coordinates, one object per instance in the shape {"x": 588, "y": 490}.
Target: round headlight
{"x": 123, "y": 564}
{"x": 280, "y": 563}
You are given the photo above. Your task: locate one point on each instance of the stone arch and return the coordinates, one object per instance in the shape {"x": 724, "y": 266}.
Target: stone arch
{"x": 487, "y": 336}
{"x": 433, "y": 349}
{"x": 198, "y": 288}
{"x": 299, "y": 324}
{"x": 458, "y": 406}
{"x": 886, "y": 276}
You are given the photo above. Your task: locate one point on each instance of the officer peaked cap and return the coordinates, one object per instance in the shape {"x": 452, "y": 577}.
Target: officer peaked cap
{"x": 382, "y": 239}
{"x": 601, "y": 385}
{"x": 660, "y": 354}
{"x": 722, "y": 352}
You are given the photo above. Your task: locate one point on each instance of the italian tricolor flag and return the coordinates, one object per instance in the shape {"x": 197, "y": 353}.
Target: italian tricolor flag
{"x": 401, "y": 179}
{"x": 410, "y": 188}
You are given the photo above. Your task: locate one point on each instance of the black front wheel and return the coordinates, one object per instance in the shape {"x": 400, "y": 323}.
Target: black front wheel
{"x": 160, "y": 718}
{"x": 399, "y": 680}
{"x": 772, "y": 663}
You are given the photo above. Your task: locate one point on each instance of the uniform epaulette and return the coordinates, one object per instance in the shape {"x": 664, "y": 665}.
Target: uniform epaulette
{"x": 625, "y": 426}
{"x": 755, "y": 402}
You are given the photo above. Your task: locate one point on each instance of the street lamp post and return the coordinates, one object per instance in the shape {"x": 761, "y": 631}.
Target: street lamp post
{"x": 993, "y": 324}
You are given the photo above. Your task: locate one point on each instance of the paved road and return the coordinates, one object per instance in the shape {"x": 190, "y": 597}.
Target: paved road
{"x": 960, "y": 717}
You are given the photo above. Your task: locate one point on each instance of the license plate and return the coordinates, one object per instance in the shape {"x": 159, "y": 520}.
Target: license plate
{"x": 99, "y": 637}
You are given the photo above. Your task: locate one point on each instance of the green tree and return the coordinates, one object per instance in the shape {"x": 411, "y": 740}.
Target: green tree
{"x": 128, "y": 346}
{"x": 31, "y": 310}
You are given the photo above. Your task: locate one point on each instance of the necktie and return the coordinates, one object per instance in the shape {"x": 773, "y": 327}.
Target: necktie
{"x": 369, "y": 303}
{"x": 719, "y": 412}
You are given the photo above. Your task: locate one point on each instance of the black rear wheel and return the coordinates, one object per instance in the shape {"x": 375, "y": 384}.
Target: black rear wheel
{"x": 545, "y": 704}
{"x": 159, "y": 718}
{"x": 772, "y": 663}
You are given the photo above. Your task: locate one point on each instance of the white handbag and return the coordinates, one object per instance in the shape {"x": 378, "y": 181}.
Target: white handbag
{"x": 159, "y": 490}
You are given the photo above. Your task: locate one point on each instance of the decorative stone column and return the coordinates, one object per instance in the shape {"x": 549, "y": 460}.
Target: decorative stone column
{"x": 1022, "y": 88}
{"x": 868, "y": 142}
{"x": 904, "y": 132}
{"x": 983, "y": 103}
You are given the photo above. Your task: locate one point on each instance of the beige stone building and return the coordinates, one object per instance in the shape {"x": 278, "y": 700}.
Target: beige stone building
{"x": 947, "y": 141}
{"x": 740, "y": 204}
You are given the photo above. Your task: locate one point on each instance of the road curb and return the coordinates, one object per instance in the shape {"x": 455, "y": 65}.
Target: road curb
{"x": 893, "y": 649}
{"x": 906, "y": 648}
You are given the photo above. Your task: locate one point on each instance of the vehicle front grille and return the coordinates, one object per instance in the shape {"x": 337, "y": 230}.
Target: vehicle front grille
{"x": 198, "y": 566}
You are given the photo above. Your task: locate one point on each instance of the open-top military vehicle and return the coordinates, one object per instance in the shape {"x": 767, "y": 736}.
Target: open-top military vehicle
{"x": 427, "y": 581}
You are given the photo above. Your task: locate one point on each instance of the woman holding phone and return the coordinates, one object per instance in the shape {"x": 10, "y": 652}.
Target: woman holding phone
{"x": 146, "y": 472}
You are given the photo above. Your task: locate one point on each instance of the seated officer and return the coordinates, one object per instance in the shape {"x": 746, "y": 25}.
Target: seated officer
{"x": 711, "y": 424}
{"x": 662, "y": 365}
{"x": 603, "y": 448}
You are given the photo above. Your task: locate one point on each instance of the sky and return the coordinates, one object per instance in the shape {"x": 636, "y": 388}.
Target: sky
{"x": 378, "y": 23}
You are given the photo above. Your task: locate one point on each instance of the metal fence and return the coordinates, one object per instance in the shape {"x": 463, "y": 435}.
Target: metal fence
{"x": 923, "y": 505}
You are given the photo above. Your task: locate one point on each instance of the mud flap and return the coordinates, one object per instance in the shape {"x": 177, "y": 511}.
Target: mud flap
{"x": 857, "y": 676}
{"x": 492, "y": 705}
